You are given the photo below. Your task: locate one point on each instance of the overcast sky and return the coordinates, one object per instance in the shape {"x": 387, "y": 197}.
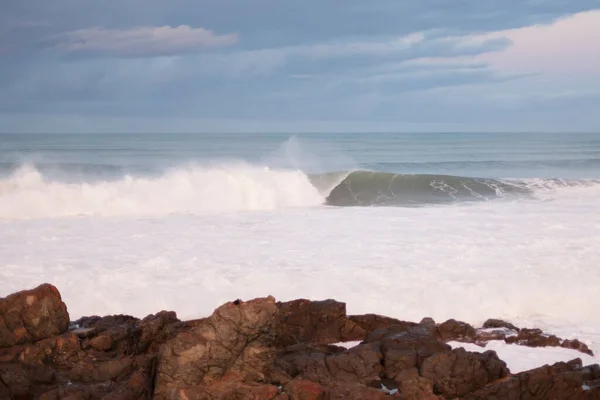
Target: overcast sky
{"x": 291, "y": 66}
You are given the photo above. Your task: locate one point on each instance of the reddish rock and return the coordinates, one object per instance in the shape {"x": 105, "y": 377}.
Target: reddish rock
{"x": 484, "y": 335}
{"x": 372, "y": 322}
{"x": 317, "y": 322}
{"x": 412, "y": 386}
{"x": 265, "y": 350}
{"x": 353, "y": 391}
{"x": 227, "y": 389}
{"x": 498, "y": 323}
{"x": 576, "y": 345}
{"x": 360, "y": 364}
{"x": 457, "y": 373}
{"x": 561, "y": 381}
{"x": 408, "y": 349}
{"x": 236, "y": 339}
{"x": 32, "y": 315}
{"x": 455, "y": 330}
{"x": 303, "y": 389}
{"x": 534, "y": 338}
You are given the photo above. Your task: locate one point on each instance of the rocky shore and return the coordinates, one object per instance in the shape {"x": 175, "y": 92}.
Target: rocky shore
{"x": 264, "y": 349}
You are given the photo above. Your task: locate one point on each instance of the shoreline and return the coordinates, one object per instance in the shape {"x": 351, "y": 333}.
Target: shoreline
{"x": 264, "y": 349}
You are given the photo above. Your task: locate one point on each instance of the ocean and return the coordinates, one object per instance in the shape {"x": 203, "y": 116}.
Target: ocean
{"x": 452, "y": 225}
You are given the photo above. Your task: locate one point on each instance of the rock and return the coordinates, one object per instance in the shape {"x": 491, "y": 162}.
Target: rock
{"x": 484, "y": 335}
{"x": 498, "y": 323}
{"x": 32, "y": 315}
{"x": 100, "y": 358}
{"x": 226, "y": 389}
{"x": 455, "y": 330}
{"x": 261, "y": 349}
{"x": 59, "y": 367}
{"x": 561, "y": 381}
{"x": 316, "y": 322}
{"x": 372, "y": 322}
{"x": 303, "y": 389}
{"x": 360, "y": 364}
{"x": 457, "y": 373}
{"x": 408, "y": 349}
{"x": 576, "y": 345}
{"x": 412, "y": 386}
{"x": 353, "y": 391}
{"x": 236, "y": 340}
{"x": 534, "y": 338}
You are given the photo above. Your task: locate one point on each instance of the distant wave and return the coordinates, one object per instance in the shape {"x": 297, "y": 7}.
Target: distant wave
{"x": 28, "y": 193}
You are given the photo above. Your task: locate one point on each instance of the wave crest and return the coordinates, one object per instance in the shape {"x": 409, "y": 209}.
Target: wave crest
{"x": 194, "y": 190}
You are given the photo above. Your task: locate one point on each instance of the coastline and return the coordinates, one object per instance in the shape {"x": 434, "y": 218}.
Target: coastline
{"x": 264, "y": 349}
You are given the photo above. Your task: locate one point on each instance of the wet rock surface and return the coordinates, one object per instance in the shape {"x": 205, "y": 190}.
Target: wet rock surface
{"x": 263, "y": 349}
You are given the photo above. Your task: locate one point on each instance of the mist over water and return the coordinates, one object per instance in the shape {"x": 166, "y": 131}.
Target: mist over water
{"x": 464, "y": 226}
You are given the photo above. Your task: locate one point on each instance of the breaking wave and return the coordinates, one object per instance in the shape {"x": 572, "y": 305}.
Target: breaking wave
{"x": 367, "y": 188}
{"x": 27, "y": 193}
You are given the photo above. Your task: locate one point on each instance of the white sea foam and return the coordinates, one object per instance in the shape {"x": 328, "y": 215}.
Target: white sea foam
{"x": 192, "y": 190}
{"x": 534, "y": 263}
{"x": 130, "y": 249}
{"x": 523, "y": 358}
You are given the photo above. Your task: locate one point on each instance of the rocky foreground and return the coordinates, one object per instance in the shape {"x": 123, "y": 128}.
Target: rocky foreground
{"x": 263, "y": 349}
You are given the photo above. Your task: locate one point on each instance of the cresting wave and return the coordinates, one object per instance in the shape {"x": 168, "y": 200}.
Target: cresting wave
{"x": 26, "y": 193}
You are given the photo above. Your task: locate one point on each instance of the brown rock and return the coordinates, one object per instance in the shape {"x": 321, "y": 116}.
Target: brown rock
{"x": 576, "y": 345}
{"x": 302, "y": 389}
{"x": 227, "y": 389}
{"x": 353, "y": 391}
{"x": 316, "y": 322}
{"x": 534, "y": 338}
{"x": 32, "y": 315}
{"x": 412, "y": 386}
{"x": 457, "y": 373}
{"x": 235, "y": 340}
{"x": 562, "y": 381}
{"x": 102, "y": 342}
{"x": 372, "y": 322}
{"x": 455, "y": 330}
{"x": 484, "y": 335}
{"x": 408, "y": 349}
{"x": 498, "y": 323}
{"x": 303, "y": 361}
{"x": 360, "y": 364}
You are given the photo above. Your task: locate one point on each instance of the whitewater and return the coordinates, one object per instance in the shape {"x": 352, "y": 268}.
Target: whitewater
{"x": 479, "y": 228}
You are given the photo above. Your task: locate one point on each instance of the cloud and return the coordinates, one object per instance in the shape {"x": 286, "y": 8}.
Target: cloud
{"x": 569, "y": 45}
{"x": 143, "y": 40}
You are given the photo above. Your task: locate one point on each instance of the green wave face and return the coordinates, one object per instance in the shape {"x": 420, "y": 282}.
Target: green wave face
{"x": 365, "y": 188}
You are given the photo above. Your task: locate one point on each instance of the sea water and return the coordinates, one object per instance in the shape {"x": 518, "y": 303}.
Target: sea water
{"x": 465, "y": 226}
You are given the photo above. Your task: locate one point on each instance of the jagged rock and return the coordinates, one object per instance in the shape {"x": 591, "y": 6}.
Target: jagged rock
{"x": 561, "y": 381}
{"x": 353, "y": 391}
{"x": 498, "y": 323}
{"x": 303, "y": 389}
{"x": 372, "y": 322}
{"x": 32, "y": 315}
{"x": 408, "y": 349}
{"x": 235, "y": 340}
{"x": 261, "y": 349}
{"x": 457, "y": 373}
{"x": 534, "y": 338}
{"x": 455, "y": 330}
{"x": 100, "y": 358}
{"x": 317, "y": 322}
{"x": 576, "y": 345}
{"x": 537, "y": 338}
{"x": 412, "y": 386}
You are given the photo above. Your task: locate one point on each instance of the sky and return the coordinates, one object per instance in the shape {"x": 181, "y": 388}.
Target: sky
{"x": 128, "y": 66}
